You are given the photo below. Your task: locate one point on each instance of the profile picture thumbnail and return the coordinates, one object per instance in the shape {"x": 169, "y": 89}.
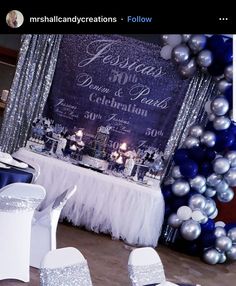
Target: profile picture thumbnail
{"x": 14, "y": 19}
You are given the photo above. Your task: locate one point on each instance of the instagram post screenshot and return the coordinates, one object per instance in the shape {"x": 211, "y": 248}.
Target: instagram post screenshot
{"x": 117, "y": 148}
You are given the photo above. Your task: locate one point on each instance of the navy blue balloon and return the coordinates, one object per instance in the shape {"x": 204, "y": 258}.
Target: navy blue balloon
{"x": 208, "y": 226}
{"x": 180, "y": 156}
{"x": 188, "y": 169}
{"x": 207, "y": 239}
{"x": 232, "y": 128}
{"x": 168, "y": 210}
{"x": 192, "y": 248}
{"x": 229, "y": 95}
{"x": 224, "y": 139}
{"x": 206, "y": 169}
{"x": 197, "y": 154}
{"x": 210, "y": 154}
{"x": 216, "y": 68}
{"x": 233, "y": 146}
{"x": 179, "y": 202}
{"x": 228, "y": 226}
{"x": 167, "y": 192}
{"x": 215, "y": 43}
{"x": 227, "y": 56}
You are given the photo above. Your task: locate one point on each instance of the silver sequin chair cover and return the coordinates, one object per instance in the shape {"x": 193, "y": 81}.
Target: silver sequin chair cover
{"x": 18, "y": 202}
{"x": 73, "y": 269}
{"x": 145, "y": 267}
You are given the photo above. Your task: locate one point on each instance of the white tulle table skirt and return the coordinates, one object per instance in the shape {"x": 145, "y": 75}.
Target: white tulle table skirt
{"x": 103, "y": 203}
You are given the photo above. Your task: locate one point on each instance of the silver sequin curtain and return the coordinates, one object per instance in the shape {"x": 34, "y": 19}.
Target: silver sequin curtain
{"x": 30, "y": 88}
{"x": 201, "y": 88}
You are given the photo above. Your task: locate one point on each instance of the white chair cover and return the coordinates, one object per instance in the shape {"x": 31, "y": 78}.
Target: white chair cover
{"x": 65, "y": 267}
{"x": 145, "y": 267}
{"x": 17, "y": 207}
{"x": 45, "y": 226}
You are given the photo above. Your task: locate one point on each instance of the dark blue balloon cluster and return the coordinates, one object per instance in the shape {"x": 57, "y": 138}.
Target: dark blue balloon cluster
{"x": 205, "y": 170}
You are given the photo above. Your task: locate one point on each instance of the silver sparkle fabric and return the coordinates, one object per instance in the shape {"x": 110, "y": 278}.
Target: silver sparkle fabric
{"x": 30, "y": 88}
{"x": 146, "y": 274}
{"x": 74, "y": 275}
{"x": 201, "y": 89}
{"x": 10, "y": 204}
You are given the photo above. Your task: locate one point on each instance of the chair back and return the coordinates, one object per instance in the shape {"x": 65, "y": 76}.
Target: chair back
{"x": 62, "y": 199}
{"x": 145, "y": 267}
{"x": 24, "y": 191}
{"x": 17, "y": 206}
{"x": 65, "y": 266}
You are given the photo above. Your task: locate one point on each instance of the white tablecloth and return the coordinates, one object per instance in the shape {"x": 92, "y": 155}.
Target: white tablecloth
{"x": 102, "y": 203}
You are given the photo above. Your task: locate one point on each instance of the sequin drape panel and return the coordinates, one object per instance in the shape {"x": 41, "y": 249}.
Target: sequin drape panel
{"x": 30, "y": 88}
{"x": 201, "y": 89}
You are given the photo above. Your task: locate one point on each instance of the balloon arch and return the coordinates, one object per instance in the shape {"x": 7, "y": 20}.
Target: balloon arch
{"x": 205, "y": 166}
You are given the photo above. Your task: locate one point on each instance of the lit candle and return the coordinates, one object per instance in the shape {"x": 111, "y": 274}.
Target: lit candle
{"x": 119, "y": 160}
{"x": 79, "y": 133}
{"x": 73, "y": 147}
{"x": 123, "y": 147}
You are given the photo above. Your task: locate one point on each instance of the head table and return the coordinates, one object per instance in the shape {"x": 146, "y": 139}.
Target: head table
{"x": 103, "y": 203}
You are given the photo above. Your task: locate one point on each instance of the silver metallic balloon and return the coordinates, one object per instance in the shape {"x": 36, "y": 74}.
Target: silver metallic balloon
{"x": 221, "y": 123}
{"x": 169, "y": 181}
{"x": 222, "y": 186}
{"x": 211, "y": 256}
{"x": 205, "y": 58}
{"x": 211, "y": 117}
{"x": 196, "y": 131}
{"x": 180, "y": 54}
{"x": 198, "y": 182}
{"x": 208, "y": 138}
{"x": 190, "y": 229}
{"x": 221, "y": 166}
{"x": 220, "y": 106}
{"x": 197, "y": 43}
{"x": 223, "y": 243}
{"x": 214, "y": 215}
{"x": 228, "y": 72}
{"x": 189, "y": 69}
{"x": 219, "y": 231}
{"x": 176, "y": 172}
{"x": 174, "y": 221}
{"x": 210, "y": 207}
{"x": 191, "y": 141}
{"x": 210, "y": 192}
{"x": 164, "y": 39}
{"x": 197, "y": 202}
{"x": 223, "y": 258}
{"x": 180, "y": 187}
{"x": 213, "y": 180}
{"x": 230, "y": 177}
{"x": 223, "y": 85}
{"x": 226, "y": 195}
{"x": 231, "y": 156}
{"x": 232, "y": 234}
{"x": 202, "y": 190}
{"x": 231, "y": 254}
{"x": 186, "y": 37}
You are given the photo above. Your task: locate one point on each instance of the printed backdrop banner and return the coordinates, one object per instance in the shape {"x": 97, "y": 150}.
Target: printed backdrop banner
{"x": 116, "y": 81}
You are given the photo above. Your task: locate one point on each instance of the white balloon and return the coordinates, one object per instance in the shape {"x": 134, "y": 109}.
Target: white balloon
{"x": 166, "y": 52}
{"x": 184, "y": 213}
{"x": 220, "y": 223}
{"x": 198, "y": 215}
